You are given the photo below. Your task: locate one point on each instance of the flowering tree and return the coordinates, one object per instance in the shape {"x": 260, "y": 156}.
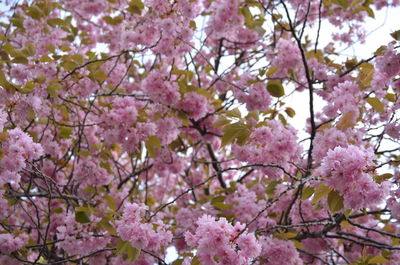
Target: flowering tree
{"x": 129, "y": 129}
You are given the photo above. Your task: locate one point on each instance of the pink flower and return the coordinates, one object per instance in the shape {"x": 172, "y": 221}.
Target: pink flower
{"x": 218, "y": 239}
{"x": 160, "y": 89}
{"x": 141, "y": 235}
{"x": 278, "y": 252}
{"x": 167, "y": 129}
{"x": 348, "y": 171}
{"x": 195, "y": 105}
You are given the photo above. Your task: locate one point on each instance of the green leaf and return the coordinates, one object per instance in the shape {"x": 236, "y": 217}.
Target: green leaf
{"x": 98, "y": 74}
{"x": 275, "y": 88}
{"x": 230, "y": 132}
{"x": 4, "y": 56}
{"x": 271, "y": 187}
{"x": 290, "y": 112}
{"x": 376, "y": 104}
{"x": 3, "y": 136}
{"x": 28, "y": 88}
{"x": 370, "y": 12}
{"x": 271, "y": 71}
{"x": 52, "y": 88}
{"x": 335, "y": 201}
{"x": 65, "y": 132}
{"x": 391, "y": 97}
{"x": 378, "y": 260}
{"x": 53, "y": 22}
{"x": 356, "y": 2}
{"x": 288, "y": 235}
{"x": 307, "y": 192}
{"x": 45, "y": 59}
{"x": 221, "y": 121}
{"x": 383, "y": 177}
{"x": 218, "y": 199}
{"x": 177, "y": 262}
{"x": 111, "y": 202}
{"x": 69, "y": 66}
{"x": 320, "y": 192}
{"x": 133, "y": 253}
{"x": 20, "y": 59}
{"x": 346, "y": 121}
{"x": 234, "y": 131}
{"x": 17, "y": 22}
{"x": 58, "y": 210}
{"x": 78, "y": 58}
{"x": 8, "y": 48}
{"x": 105, "y": 224}
{"x": 282, "y": 118}
{"x": 192, "y": 25}
{"x": 195, "y": 261}
{"x": 113, "y": 20}
{"x": 235, "y": 113}
{"x": 5, "y": 84}
{"x": 3, "y": 79}
{"x": 42, "y": 260}
{"x": 29, "y": 50}
{"x": 34, "y": 12}
{"x": 396, "y": 35}
{"x": 106, "y": 166}
{"x": 82, "y": 217}
{"x": 51, "y": 48}
{"x": 84, "y": 153}
{"x": 135, "y": 7}
{"x": 342, "y": 3}
{"x": 121, "y": 246}
{"x": 126, "y": 247}
{"x": 152, "y": 144}
{"x": 222, "y": 206}
{"x": 243, "y": 135}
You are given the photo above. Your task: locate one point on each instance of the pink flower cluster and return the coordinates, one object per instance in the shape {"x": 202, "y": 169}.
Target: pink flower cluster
{"x": 387, "y": 66}
{"x": 195, "y": 105}
{"x": 87, "y": 7}
{"x": 345, "y": 98}
{"x": 123, "y": 112}
{"x": 393, "y": 204}
{"x": 388, "y": 63}
{"x": 142, "y": 235}
{"x": 226, "y": 16}
{"x": 278, "y": 252}
{"x": 156, "y": 85}
{"x": 216, "y": 242}
{"x": 275, "y": 143}
{"x": 393, "y": 130}
{"x": 326, "y": 140}
{"x": 330, "y": 138}
{"x": 89, "y": 173}
{"x": 257, "y": 97}
{"x": 70, "y": 231}
{"x": 10, "y": 243}
{"x": 167, "y": 129}
{"x": 18, "y": 148}
{"x": 348, "y": 171}
{"x": 167, "y": 163}
{"x": 287, "y": 56}
{"x": 3, "y": 119}
{"x": 245, "y": 204}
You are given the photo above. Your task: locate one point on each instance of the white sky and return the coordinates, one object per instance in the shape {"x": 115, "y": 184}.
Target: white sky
{"x": 378, "y": 34}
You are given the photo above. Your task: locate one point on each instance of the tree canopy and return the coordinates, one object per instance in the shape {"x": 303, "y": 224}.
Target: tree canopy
{"x": 141, "y": 132}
